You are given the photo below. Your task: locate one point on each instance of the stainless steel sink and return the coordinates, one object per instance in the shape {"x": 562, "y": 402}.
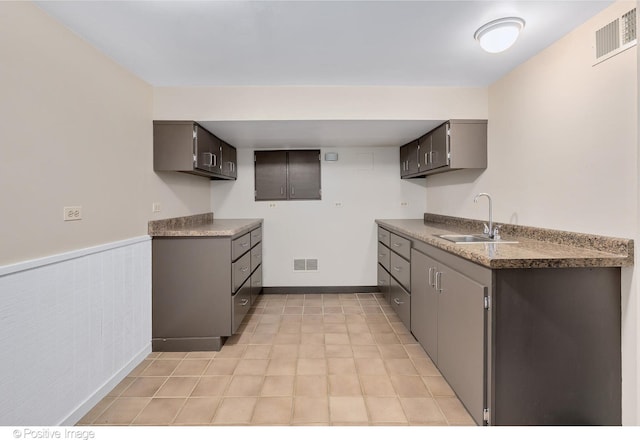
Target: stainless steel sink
{"x": 472, "y": 238}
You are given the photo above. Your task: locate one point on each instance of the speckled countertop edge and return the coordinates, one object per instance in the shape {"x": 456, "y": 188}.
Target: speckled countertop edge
{"x": 536, "y": 247}
{"x": 201, "y": 225}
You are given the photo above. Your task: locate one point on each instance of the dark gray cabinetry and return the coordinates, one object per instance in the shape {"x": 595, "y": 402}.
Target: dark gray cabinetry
{"x": 270, "y": 175}
{"x": 521, "y": 346}
{"x": 456, "y": 144}
{"x": 202, "y": 287}
{"x": 409, "y": 158}
{"x": 449, "y": 320}
{"x": 228, "y": 160}
{"x": 394, "y": 272}
{"x": 287, "y": 175}
{"x": 187, "y": 147}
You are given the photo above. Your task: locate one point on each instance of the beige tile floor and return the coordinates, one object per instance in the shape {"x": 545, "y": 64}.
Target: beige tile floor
{"x": 322, "y": 359}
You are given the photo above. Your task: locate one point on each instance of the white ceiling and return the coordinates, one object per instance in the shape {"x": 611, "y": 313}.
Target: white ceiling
{"x": 400, "y": 43}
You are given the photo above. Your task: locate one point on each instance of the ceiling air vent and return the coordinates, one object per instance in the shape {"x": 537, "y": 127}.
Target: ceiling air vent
{"x": 616, "y": 37}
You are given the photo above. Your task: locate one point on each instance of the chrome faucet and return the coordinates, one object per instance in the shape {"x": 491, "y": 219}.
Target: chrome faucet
{"x": 489, "y": 231}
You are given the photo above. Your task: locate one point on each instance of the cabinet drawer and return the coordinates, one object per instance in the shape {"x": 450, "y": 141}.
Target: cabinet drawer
{"x": 384, "y": 236}
{"x": 256, "y": 236}
{"x": 383, "y": 282}
{"x": 240, "y": 245}
{"x": 256, "y": 284}
{"x": 256, "y": 256}
{"x": 240, "y": 271}
{"x": 400, "y": 301}
{"x": 384, "y": 256}
{"x": 240, "y": 306}
{"x": 401, "y": 246}
{"x": 400, "y": 269}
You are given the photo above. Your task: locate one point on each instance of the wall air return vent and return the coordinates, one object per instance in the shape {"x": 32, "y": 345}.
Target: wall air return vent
{"x": 305, "y": 265}
{"x": 616, "y": 37}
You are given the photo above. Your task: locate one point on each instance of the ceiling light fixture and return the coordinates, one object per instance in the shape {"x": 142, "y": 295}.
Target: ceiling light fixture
{"x": 499, "y": 35}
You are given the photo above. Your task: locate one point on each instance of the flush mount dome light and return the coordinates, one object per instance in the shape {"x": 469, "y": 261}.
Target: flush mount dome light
{"x": 499, "y": 35}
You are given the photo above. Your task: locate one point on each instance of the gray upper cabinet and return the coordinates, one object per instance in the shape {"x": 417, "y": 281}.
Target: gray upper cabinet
{"x": 287, "y": 175}
{"x": 228, "y": 160}
{"x": 409, "y": 158}
{"x": 188, "y": 147}
{"x": 270, "y": 175}
{"x": 454, "y": 145}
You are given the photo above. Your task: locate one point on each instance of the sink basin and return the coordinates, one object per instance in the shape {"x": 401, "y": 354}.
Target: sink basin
{"x": 472, "y": 238}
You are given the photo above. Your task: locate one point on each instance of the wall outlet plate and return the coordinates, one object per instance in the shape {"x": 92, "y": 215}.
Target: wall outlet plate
{"x": 72, "y": 213}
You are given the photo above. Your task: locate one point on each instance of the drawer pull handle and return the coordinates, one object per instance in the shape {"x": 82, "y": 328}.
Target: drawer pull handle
{"x": 244, "y": 244}
{"x": 382, "y": 255}
{"x": 244, "y": 302}
{"x": 397, "y": 244}
{"x": 431, "y": 269}
{"x": 397, "y": 301}
{"x": 244, "y": 269}
{"x": 397, "y": 269}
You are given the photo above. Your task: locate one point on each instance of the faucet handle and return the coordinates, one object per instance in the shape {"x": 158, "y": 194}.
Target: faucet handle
{"x": 496, "y": 232}
{"x": 486, "y": 229}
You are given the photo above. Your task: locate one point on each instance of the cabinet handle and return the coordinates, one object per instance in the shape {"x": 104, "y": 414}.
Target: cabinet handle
{"x": 397, "y": 301}
{"x": 382, "y": 282}
{"x": 397, "y": 244}
{"x": 244, "y": 244}
{"x": 244, "y": 269}
{"x": 210, "y": 157}
{"x": 397, "y": 269}
{"x": 293, "y": 191}
{"x": 426, "y": 158}
{"x": 244, "y": 302}
{"x": 431, "y": 276}
{"x": 215, "y": 160}
{"x": 439, "y": 282}
{"x": 281, "y": 191}
{"x": 382, "y": 255}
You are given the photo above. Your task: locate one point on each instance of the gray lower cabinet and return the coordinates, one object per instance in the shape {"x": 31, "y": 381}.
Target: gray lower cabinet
{"x": 520, "y": 346}
{"x": 202, "y": 288}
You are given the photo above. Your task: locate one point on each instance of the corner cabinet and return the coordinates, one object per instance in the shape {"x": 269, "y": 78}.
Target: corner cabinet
{"x": 456, "y": 144}
{"x": 188, "y": 147}
{"x": 202, "y": 288}
{"x": 518, "y": 346}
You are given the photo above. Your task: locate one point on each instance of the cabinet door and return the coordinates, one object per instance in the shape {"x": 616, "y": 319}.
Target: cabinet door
{"x": 424, "y": 144}
{"x": 304, "y": 175}
{"x": 256, "y": 284}
{"x": 439, "y": 148}
{"x": 207, "y": 150}
{"x": 228, "y": 160}
{"x": 461, "y": 337}
{"x": 271, "y": 175}
{"x": 424, "y": 303}
{"x": 409, "y": 163}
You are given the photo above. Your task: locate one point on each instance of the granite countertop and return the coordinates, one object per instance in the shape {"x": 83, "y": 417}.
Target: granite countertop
{"x": 201, "y": 225}
{"x": 536, "y": 247}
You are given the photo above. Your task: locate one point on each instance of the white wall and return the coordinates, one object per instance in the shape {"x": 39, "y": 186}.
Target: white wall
{"x": 75, "y": 129}
{"x": 365, "y": 181}
{"x": 73, "y": 325}
{"x": 563, "y": 154}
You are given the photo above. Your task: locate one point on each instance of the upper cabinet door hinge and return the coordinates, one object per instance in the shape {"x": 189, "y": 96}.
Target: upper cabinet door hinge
{"x": 487, "y": 302}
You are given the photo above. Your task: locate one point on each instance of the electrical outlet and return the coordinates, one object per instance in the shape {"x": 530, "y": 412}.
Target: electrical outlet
{"x": 272, "y": 205}
{"x": 404, "y": 204}
{"x": 155, "y": 207}
{"x": 337, "y": 204}
{"x": 72, "y": 213}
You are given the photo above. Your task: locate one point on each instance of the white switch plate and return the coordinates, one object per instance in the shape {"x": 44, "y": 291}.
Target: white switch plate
{"x": 155, "y": 207}
{"x": 72, "y": 213}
